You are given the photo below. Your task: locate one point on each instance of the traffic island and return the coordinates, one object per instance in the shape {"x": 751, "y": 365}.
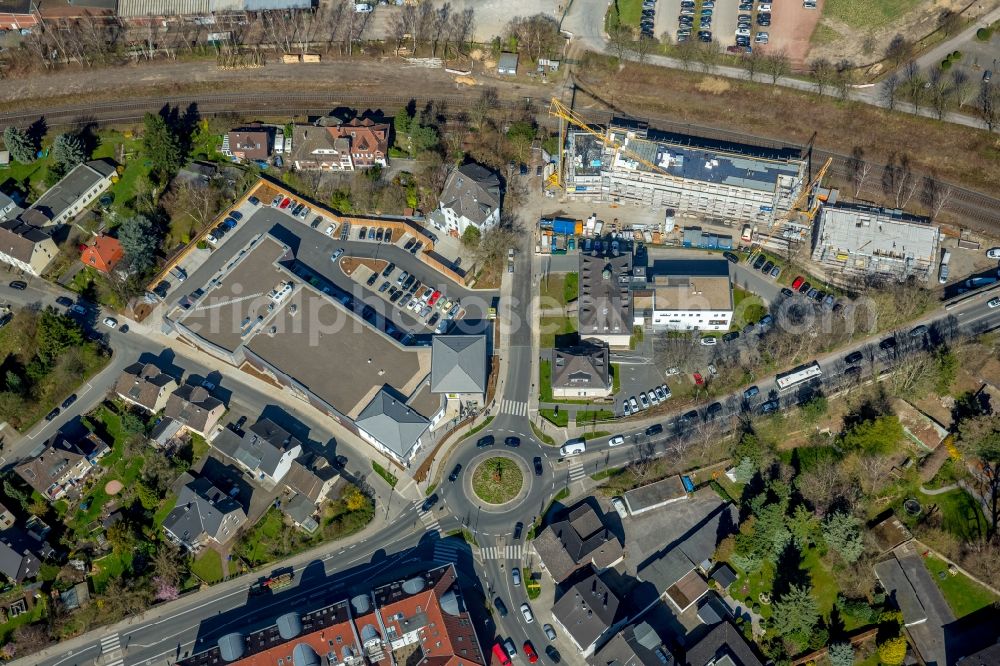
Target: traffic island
{"x": 497, "y": 480}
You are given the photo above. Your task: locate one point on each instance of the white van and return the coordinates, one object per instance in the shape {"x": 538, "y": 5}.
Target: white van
{"x": 573, "y": 447}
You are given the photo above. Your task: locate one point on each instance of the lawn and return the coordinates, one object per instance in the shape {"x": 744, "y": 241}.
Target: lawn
{"x": 616, "y": 378}
{"x": 497, "y": 480}
{"x": 867, "y": 15}
{"x": 36, "y": 613}
{"x": 208, "y": 566}
{"x": 541, "y": 436}
{"x": 960, "y": 514}
{"x": 545, "y": 385}
{"x": 558, "y": 332}
{"x": 748, "y": 308}
{"x": 562, "y": 288}
{"x": 625, "y": 12}
{"x": 559, "y": 418}
{"x": 110, "y": 566}
{"x": 594, "y": 416}
{"x": 166, "y": 507}
{"x": 963, "y": 594}
{"x": 389, "y": 477}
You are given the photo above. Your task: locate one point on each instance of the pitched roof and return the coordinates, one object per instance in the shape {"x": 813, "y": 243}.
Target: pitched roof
{"x": 472, "y": 191}
{"x": 583, "y": 366}
{"x": 203, "y": 509}
{"x": 103, "y": 254}
{"x": 301, "y": 509}
{"x": 635, "y": 645}
{"x": 724, "y": 640}
{"x": 58, "y": 456}
{"x": 252, "y": 143}
{"x": 261, "y": 446}
{"x": 458, "y": 364}
{"x": 309, "y": 474}
{"x": 605, "y": 304}
{"x": 72, "y": 186}
{"x": 575, "y": 540}
{"x": 18, "y": 237}
{"x": 587, "y": 610}
{"x": 142, "y": 384}
{"x": 698, "y": 545}
{"x": 17, "y": 565}
{"x": 352, "y": 137}
{"x": 192, "y": 406}
{"x": 392, "y": 423}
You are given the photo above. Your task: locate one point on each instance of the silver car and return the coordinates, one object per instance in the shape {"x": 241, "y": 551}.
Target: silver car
{"x": 526, "y": 612}
{"x": 635, "y": 405}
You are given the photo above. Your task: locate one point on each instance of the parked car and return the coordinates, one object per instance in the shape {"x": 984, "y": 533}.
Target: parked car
{"x": 750, "y": 392}
{"x": 64, "y": 301}
{"x": 661, "y": 394}
{"x": 643, "y": 402}
{"x": 69, "y": 401}
{"x": 797, "y": 282}
{"x": 731, "y": 257}
{"x": 766, "y": 268}
{"x": 759, "y": 261}
{"x": 785, "y": 291}
{"x": 19, "y": 285}
{"x": 729, "y": 337}
{"x": 336, "y": 254}
{"x": 698, "y": 379}
{"x": 804, "y": 288}
{"x": 553, "y": 654}
{"x": 110, "y": 322}
{"x": 769, "y": 407}
{"x": 853, "y": 357}
{"x": 775, "y": 272}
{"x": 709, "y": 341}
{"x": 550, "y": 633}
{"x": 51, "y": 415}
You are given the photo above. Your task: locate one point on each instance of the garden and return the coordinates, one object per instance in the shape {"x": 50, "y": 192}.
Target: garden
{"x": 497, "y": 480}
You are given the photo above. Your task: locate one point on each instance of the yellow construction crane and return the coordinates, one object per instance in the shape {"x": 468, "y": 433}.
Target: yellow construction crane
{"x": 802, "y": 207}
{"x": 563, "y": 112}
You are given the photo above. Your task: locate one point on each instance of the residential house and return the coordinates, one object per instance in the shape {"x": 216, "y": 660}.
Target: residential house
{"x": 581, "y": 371}
{"x": 8, "y": 207}
{"x": 507, "y": 64}
{"x": 604, "y": 306}
{"x": 308, "y": 483}
{"x": 356, "y": 144}
{"x": 144, "y": 385}
{"x": 62, "y": 465}
{"x": 7, "y": 518}
{"x": 75, "y": 191}
{"x": 724, "y": 644}
{"x": 248, "y": 144}
{"x": 391, "y": 426}
{"x": 17, "y": 565}
{"x": 194, "y": 408}
{"x": 460, "y": 367}
{"x": 588, "y": 612}
{"x": 636, "y": 644}
{"x": 26, "y": 244}
{"x": 578, "y": 540}
{"x": 203, "y": 514}
{"x": 103, "y": 254}
{"x": 471, "y": 198}
{"x": 265, "y": 450}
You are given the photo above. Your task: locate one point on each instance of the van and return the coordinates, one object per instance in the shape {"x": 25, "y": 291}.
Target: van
{"x": 573, "y": 447}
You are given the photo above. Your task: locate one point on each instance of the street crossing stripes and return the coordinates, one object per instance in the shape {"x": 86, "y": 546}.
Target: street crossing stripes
{"x": 502, "y": 552}
{"x": 111, "y": 646}
{"x": 429, "y": 521}
{"x": 515, "y": 407}
{"x": 445, "y": 550}
{"x": 576, "y": 472}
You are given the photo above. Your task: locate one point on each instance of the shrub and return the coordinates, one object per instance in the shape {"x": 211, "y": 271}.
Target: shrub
{"x": 842, "y": 654}
{"x": 893, "y": 651}
{"x": 955, "y": 55}
{"x": 984, "y": 34}
{"x": 946, "y": 64}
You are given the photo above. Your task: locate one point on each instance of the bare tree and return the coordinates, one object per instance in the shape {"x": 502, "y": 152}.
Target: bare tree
{"x": 621, "y": 38}
{"x": 822, "y": 71}
{"x": 914, "y": 84}
{"x": 860, "y": 168}
{"x": 397, "y": 29}
{"x": 708, "y": 55}
{"x": 777, "y": 65}
{"x": 934, "y": 195}
{"x": 844, "y": 78}
{"x": 889, "y": 89}
{"x": 439, "y": 27}
{"x": 752, "y": 62}
{"x": 961, "y": 85}
{"x": 898, "y": 50}
{"x": 939, "y": 91}
{"x": 687, "y": 52}
{"x": 464, "y": 27}
{"x": 989, "y": 105}
{"x": 643, "y": 47}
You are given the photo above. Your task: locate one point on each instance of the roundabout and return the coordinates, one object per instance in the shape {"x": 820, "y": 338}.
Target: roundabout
{"x": 497, "y": 480}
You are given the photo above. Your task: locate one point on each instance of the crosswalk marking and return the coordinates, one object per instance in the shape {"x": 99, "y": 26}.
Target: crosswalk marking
{"x": 112, "y": 647}
{"x": 446, "y": 552}
{"x": 429, "y": 521}
{"x": 576, "y": 472}
{"x": 502, "y": 552}
{"x": 515, "y": 407}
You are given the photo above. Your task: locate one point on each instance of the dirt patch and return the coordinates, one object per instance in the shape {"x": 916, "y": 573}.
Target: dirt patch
{"x": 792, "y": 26}
{"x": 351, "y": 264}
{"x": 254, "y": 372}
{"x": 113, "y": 487}
{"x": 713, "y": 85}
{"x": 465, "y": 80}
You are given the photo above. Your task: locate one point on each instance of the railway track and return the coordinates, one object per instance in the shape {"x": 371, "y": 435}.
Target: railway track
{"x": 965, "y": 207}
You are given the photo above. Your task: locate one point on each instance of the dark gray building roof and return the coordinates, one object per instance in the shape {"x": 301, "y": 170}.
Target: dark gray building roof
{"x": 73, "y": 185}
{"x": 724, "y": 575}
{"x": 392, "y": 423}
{"x": 17, "y": 565}
{"x": 472, "y": 191}
{"x": 697, "y": 546}
{"x": 987, "y": 657}
{"x": 578, "y": 539}
{"x": 18, "y": 237}
{"x": 203, "y": 509}
{"x": 605, "y": 304}
{"x": 722, "y": 641}
{"x": 635, "y": 645}
{"x": 458, "y": 364}
{"x": 261, "y": 446}
{"x": 587, "y": 610}
{"x": 301, "y": 509}
{"x": 584, "y": 367}
{"x": 901, "y": 591}
{"x": 191, "y": 405}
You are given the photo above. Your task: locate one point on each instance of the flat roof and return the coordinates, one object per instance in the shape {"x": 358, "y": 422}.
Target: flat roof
{"x": 355, "y": 361}
{"x": 692, "y": 293}
{"x": 587, "y": 154}
{"x": 877, "y": 232}
{"x": 643, "y": 497}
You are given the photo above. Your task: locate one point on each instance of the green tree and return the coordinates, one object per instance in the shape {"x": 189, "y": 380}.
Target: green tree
{"x": 139, "y": 242}
{"x": 841, "y": 654}
{"x": 161, "y": 145}
{"x": 16, "y": 494}
{"x": 471, "y": 237}
{"x": 947, "y": 363}
{"x": 401, "y": 124}
{"x": 795, "y": 611}
{"x": 804, "y": 526}
{"x": 121, "y": 536}
{"x": 877, "y": 437}
{"x": 68, "y": 151}
{"x": 20, "y": 145}
{"x": 814, "y": 410}
{"x": 980, "y": 437}
{"x": 423, "y": 138}
{"x": 842, "y": 532}
{"x": 13, "y": 381}
{"x": 56, "y": 332}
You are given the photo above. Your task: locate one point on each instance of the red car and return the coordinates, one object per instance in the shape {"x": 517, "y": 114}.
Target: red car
{"x": 698, "y": 379}
{"x": 284, "y": 203}
{"x": 529, "y": 650}
{"x": 798, "y": 282}
{"x": 501, "y": 655}
{"x": 434, "y": 298}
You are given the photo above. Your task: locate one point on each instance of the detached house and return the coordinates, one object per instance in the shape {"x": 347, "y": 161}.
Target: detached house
{"x": 145, "y": 386}
{"x": 266, "y": 450}
{"x": 460, "y": 367}
{"x": 75, "y": 191}
{"x": 249, "y": 144}
{"x": 577, "y": 540}
{"x": 357, "y": 144}
{"x": 194, "y": 409}
{"x": 203, "y": 513}
{"x": 471, "y": 198}
{"x": 62, "y": 465}
{"x": 103, "y": 254}
{"x": 581, "y": 371}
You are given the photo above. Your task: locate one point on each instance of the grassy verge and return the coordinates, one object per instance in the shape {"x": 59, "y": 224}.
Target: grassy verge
{"x": 560, "y": 418}
{"x": 597, "y": 434}
{"x": 606, "y": 473}
{"x": 542, "y": 437}
{"x": 558, "y": 332}
{"x": 497, "y": 480}
{"x": 545, "y": 386}
{"x": 479, "y": 427}
{"x": 531, "y": 585}
{"x": 867, "y": 14}
{"x": 594, "y": 416}
{"x": 389, "y": 477}
{"x": 616, "y": 378}
{"x": 430, "y": 489}
{"x": 963, "y": 594}
{"x": 468, "y": 536}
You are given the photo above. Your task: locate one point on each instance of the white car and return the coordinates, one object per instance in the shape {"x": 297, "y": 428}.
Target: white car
{"x": 993, "y": 253}
{"x": 662, "y": 394}
{"x": 619, "y": 506}
{"x": 526, "y": 612}
{"x": 643, "y": 401}
{"x": 653, "y": 400}
{"x": 626, "y": 408}
{"x": 761, "y": 38}
{"x": 709, "y": 341}
{"x": 617, "y": 440}
{"x": 993, "y": 303}
{"x": 329, "y": 230}
{"x": 635, "y": 405}
{"x": 336, "y": 254}
{"x": 765, "y": 7}
{"x": 712, "y": 369}
{"x": 743, "y": 32}
{"x": 110, "y": 322}
{"x": 673, "y": 371}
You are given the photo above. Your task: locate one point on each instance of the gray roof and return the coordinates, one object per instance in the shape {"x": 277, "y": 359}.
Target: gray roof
{"x": 392, "y": 423}
{"x": 17, "y": 565}
{"x": 507, "y": 61}
{"x": 18, "y": 238}
{"x": 605, "y": 304}
{"x": 901, "y": 591}
{"x": 202, "y": 509}
{"x": 723, "y": 641}
{"x": 72, "y": 186}
{"x": 191, "y": 405}
{"x": 584, "y": 366}
{"x": 695, "y": 547}
{"x": 260, "y": 447}
{"x": 472, "y": 191}
{"x": 635, "y": 645}
{"x": 458, "y": 364}
{"x": 587, "y": 610}
{"x": 301, "y": 509}
{"x": 579, "y": 538}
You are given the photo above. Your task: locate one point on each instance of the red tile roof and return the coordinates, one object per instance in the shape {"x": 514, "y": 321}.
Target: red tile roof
{"x": 104, "y": 254}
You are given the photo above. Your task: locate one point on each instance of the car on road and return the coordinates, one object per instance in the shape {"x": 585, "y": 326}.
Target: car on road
{"x": 919, "y": 331}
{"x": 552, "y": 653}
{"x": 51, "y": 415}
{"x": 529, "y": 652}
{"x": 69, "y": 401}
{"x": 619, "y": 506}
{"x": 769, "y": 406}
{"x": 110, "y": 322}
{"x": 518, "y": 528}
{"x": 853, "y": 357}
{"x": 484, "y": 441}
{"x": 537, "y": 462}
{"x": 731, "y": 257}
{"x": 690, "y": 417}
{"x": 888, "y": 344}
{"x": 453, "y": 477}
{"x": 993, "y": 303}
{"x": 993, "y": 253}
{"x": 654, "y": 430}
{"x": 19, "y": 285}
{"x": 617, "y": 440}
{"x": 500, "y": 606}
{"x": 429, "y": 502}
{"x": 512, "y": 442}
{"x": 713, "y": 410}
{"x": 336, "y": 254}
{"x": 529, "y": 617}
{"x": 750, "y": 392}
{"x": 64, "y": 301}
{"x": 709, "y": 341}
{"x": 515, "y": 576}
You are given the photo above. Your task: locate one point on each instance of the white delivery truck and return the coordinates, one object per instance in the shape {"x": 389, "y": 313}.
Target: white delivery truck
{"x": 573, "y": 447}
{"x": 943, "y": 272}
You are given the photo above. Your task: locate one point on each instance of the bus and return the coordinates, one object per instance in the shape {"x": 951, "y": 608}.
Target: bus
{"x": 799, "y": 375}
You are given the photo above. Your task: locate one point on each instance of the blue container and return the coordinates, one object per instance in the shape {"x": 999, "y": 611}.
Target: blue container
{"x": 688, "y": 486}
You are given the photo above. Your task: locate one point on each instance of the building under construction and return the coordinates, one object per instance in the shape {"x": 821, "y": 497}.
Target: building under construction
{"x": 627, "y": 162}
